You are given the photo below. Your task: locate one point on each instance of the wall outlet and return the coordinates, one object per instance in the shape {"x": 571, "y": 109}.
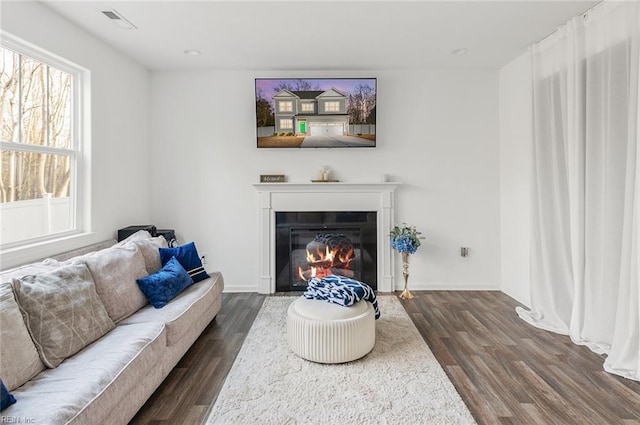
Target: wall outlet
{"x": 203, "y": 258}
{"x": 464, "y": 251}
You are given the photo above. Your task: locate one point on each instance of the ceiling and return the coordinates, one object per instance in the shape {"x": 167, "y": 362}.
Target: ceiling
{"x": 322, "y": 35}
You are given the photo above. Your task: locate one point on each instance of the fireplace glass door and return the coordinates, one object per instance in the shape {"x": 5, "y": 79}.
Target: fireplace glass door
{"x": 317, "y": 244}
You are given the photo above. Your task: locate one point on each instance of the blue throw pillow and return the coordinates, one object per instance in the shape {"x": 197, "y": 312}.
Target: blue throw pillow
{"x": 188, "y": 256}
{"x": 162, "y": 286}
{"x": 6, "y": 398}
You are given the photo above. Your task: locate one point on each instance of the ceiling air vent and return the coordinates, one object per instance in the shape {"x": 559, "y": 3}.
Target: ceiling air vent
{"x": 118, "y": 20}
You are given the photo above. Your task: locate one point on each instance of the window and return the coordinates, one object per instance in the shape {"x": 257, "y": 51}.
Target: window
{"x": 306, "y": 107}
{"x": 285, "y": 106}
{"x": 332, "y": 107}
{"x": 40, "y": 145}
{"x": 286, "y": 123}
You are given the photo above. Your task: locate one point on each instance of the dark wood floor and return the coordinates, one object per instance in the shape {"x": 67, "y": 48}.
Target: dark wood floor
{"x": 187, "y": 393}
{"x": 506, "y": 371}
{"x": 509, "y": 372}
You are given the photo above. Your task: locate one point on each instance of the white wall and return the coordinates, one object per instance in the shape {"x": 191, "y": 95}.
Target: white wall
{"x": 516, "y": 132}
{"x": 437, "y": 133}
{"x": 119, "y": 127}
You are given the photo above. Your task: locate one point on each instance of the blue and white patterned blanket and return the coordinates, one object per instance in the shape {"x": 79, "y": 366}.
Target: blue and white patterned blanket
{"x": 340, "y": 290}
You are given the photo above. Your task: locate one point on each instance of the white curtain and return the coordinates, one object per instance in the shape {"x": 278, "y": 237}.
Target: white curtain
{"x": 586, "y": 184}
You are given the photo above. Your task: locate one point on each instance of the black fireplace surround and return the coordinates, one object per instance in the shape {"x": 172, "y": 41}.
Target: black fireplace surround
{"x": 323, "y": 242}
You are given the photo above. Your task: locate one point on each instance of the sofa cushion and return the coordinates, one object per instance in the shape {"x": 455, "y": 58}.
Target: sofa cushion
{"x": 87, "y": 387}
{"x": 115, "y": 271}
{"x": 62, "y": 311}
{"x": 183, "y": 311}
{"x": 7, "y": 276}
{"x": 89, "y": 249}
{"x": 149, "y": 247}
{"x": 19, "y": 359}
{"x": 139, "y": 235}
{"x": 188, "y": 256}
{"x": 162, "y": 286}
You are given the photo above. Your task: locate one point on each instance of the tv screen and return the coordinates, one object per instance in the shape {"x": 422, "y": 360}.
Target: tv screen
{"x": 316, "y": 112}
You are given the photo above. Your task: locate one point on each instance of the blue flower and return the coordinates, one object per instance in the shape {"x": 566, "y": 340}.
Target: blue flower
{"x": 405, "y": 239}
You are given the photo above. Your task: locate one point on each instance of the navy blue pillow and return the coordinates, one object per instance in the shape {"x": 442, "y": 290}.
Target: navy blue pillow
{"x": 162, "y": 286}
{"x": 6, "y": 399}
{"x": 188, "y": 256}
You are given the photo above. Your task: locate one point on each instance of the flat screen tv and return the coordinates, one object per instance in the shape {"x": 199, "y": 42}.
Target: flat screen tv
{"x": 316, "y": 112}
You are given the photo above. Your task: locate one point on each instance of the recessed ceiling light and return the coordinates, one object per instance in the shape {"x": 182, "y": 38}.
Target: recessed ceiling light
{"x": 192, "y": 52}
{"x": 459, "y": 52}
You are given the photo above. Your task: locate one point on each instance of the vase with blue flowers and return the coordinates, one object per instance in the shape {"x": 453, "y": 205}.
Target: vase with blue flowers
{"x": 405, "y": 239}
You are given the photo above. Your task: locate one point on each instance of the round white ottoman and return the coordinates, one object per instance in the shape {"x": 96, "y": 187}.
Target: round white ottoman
{"x": 329, "y": 333}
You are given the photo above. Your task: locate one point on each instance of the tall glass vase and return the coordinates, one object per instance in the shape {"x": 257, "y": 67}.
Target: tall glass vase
{"x": 406, "y": 295}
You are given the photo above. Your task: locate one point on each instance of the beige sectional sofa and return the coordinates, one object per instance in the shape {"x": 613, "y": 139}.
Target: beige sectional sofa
{"x": 137, "y": 345}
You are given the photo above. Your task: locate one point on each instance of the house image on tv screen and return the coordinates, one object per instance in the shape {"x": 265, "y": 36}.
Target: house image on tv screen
{"x": 316, "y": 112}
{"x": 311, "y": 112}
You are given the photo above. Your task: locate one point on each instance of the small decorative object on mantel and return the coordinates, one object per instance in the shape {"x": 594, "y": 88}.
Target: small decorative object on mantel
{"x": 273, "y": 178}
{"x": 324, "y": 176}
{"x": 405, "y": 239}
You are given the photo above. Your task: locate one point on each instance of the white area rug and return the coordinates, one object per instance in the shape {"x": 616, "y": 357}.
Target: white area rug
{"x": 399, "y": 382}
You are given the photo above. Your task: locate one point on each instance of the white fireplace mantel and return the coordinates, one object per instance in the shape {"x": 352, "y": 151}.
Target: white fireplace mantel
{"x": 296, "y": 197}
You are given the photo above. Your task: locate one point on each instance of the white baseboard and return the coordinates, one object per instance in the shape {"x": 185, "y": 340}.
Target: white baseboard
{"x": 522, "y": 299}
{"x": 463, "y": 286}
{"x": 467, "y": 286}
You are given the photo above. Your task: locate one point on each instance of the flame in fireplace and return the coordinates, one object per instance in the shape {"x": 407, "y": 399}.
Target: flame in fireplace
{"x": 323, "y": 262}
{"x": 321, "y": 257}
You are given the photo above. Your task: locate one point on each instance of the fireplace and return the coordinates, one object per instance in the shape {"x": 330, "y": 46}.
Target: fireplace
{"x": 316, "y": 244}
{"x": 274, "y": 198}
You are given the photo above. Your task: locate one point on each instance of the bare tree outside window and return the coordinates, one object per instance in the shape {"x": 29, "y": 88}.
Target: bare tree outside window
{"x": 38, "y": 153}
{"x": 36, "y": 110}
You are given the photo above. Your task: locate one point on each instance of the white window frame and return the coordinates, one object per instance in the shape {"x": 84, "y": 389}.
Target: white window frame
{"x": 285, "y": 106}
{"x": 80, "y": 184}
{"x": 306, "y": 107}
{"x": 332, "y": 106}
{"x": 289, "y": 122}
